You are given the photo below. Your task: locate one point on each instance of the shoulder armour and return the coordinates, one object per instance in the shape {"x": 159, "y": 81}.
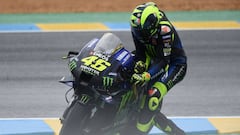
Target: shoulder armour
{"x": 165, "y": 29}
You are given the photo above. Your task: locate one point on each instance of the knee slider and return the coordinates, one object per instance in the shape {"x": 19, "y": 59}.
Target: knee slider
{"x": 154, "y": 99}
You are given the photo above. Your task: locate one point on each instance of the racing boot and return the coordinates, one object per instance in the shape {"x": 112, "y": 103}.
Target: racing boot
{"x": 167, "y": 125}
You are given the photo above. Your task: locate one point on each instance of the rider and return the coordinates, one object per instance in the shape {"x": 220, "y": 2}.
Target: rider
{"x": 160, "y": 62}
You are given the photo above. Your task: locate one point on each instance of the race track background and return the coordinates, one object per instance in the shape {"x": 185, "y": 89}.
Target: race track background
{"x": 31, "y": 66}
{"x": 30, "y": 63}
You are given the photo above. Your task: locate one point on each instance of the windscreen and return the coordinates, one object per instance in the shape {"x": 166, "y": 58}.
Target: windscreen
{"x": 108, "y": 44}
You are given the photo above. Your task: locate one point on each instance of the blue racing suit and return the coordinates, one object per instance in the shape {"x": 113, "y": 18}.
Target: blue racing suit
{"x": 166, "y": 62}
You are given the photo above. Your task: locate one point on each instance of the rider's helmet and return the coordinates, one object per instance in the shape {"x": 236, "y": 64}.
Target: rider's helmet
{"x": 144, "y": 21}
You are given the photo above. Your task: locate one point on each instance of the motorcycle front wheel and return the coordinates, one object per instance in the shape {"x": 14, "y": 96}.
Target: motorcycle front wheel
{"x": 75, "y": 120}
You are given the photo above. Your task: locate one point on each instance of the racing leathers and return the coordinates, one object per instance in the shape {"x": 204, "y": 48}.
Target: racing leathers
{"x": 166, "y": 62}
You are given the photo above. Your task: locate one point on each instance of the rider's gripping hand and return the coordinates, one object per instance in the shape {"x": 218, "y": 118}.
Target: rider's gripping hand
{"x": 140, "y": 67}
{"x": 141, "y": 79}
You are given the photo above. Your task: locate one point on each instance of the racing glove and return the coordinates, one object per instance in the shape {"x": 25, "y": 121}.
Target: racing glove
{"x": 140, "y": 67}
{"x": 140, "y": 79}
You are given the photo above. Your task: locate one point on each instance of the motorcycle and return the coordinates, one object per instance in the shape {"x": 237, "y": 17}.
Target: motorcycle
{"x": 103, "y": 101}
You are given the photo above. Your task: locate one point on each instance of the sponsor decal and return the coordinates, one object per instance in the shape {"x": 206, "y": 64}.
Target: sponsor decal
{"x": 95, "y": 63}
{"x": 126, "y": 58}
{"x": 112, "y": 74}
{"x": 122, "y": 55}
{"x": 167, "y": 51}
{"x": 72, "y": 65}
{"x": 100, "y": 55}
{"x": 157, "y": 74}
{"x": 179, "y": 73}
{"x": 89, "y": 70}
{"x": 84, "y": 99}
{"x": 166, "y": 37}
{"x": 170, "y": 83}
{"x": 151, "y": 49}
{"x": 107, "y": 81}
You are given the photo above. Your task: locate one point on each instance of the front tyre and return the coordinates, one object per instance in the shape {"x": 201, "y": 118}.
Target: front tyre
{"x": 75, "y": 120}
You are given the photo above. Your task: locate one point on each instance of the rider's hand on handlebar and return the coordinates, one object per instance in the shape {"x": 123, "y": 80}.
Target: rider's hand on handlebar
{"x": 140, "y": 79}
{"x": 140, "y": 67}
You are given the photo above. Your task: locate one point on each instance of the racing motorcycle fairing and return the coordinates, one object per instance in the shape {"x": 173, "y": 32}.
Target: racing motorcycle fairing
{"x": 103, "y": 99}
{"x": 100, "y": 59}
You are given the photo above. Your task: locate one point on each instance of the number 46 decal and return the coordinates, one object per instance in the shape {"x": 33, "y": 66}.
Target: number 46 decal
{"x": 96, "y": 63}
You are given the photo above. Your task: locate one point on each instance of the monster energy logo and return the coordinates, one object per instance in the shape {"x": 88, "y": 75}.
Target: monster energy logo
{"x": 125, "y": 98}
{"x": 72, "y": 65}
{"x": 151, "y": 50}
{"x": 84, "y": 99}
{"x": 107, "y": 81}
{"x": 170, "y": 84}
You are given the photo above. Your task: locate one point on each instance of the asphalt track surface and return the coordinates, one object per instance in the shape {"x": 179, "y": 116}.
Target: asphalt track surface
{"x": 31, "y": 65}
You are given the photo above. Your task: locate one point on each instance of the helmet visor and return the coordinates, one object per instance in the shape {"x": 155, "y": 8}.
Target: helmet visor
{"x": 149, "y": 28}
{"x": 143, "y": 36}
